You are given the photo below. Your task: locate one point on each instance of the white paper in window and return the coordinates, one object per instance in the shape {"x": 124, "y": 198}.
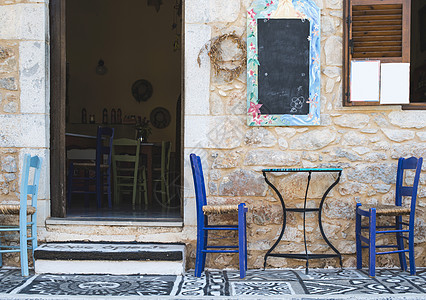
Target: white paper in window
{"x": 395, "y": 83}
{"x": 365, "y": 77}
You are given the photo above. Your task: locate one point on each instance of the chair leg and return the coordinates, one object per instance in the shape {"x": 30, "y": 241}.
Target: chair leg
{"x": 146, "y": 196}
{"x": 400, "y": 243}
{"x": 145, "y": 188}
{"x": 34, "y": 234}
{"x": 245, "y": 235}
{"x": 1, "y": 255}
{"x": 199, "y": 256}
{"x": 241, "y": 241}
{"x": 70, "y": 175}
{"x": 358, "y": 239}
{"x": 167, "y": 192}
{"x": 163, "y": 192}
{"x": 109, "y": 188}
{"x": 203, "y": 256}
{"x": 411, "y": 249}
{"x": 99, "y": 189}
{"x": 23, "y": 246}
{"x": 372, "y": 243}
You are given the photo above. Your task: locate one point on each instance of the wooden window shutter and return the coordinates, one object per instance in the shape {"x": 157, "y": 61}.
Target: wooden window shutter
{"x": 375, "y": 29}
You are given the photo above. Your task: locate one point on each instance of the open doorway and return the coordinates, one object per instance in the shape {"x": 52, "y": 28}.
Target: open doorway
{"x": 123, "y": 71}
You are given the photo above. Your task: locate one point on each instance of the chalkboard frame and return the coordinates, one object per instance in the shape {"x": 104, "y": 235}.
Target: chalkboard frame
{"x": 305, "y": 10}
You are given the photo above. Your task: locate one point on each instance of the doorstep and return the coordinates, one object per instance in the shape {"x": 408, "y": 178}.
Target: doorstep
{"x": 110, "y": 258}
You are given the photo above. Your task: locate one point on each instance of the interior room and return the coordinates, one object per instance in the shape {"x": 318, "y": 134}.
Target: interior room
{"x": 418, "y": 51}
{"x": 124, "y": 73}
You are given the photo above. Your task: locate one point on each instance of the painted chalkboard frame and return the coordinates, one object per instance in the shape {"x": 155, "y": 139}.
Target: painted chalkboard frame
{"x": 305, "y": 10}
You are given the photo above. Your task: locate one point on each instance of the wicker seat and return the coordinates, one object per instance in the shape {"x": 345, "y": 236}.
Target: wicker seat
{"x": 219, "y": 209}
{"x": 387, "y": 210}
{"x": 397, "y": 225}
{"x": 13, "y": 209}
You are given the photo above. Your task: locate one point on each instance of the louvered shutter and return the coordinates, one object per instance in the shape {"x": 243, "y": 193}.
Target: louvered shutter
{"x": 375, "y": 29}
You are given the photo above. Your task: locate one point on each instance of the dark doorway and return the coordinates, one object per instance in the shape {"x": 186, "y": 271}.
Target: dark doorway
{"x": 117, "y": 66}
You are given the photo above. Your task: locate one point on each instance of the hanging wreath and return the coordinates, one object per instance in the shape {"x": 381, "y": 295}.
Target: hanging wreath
{"x": 231, "y": 68}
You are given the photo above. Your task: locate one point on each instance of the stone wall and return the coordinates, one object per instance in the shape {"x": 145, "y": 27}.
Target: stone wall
{"x": 23, "y": 96}
{"x": 364, "y": 141}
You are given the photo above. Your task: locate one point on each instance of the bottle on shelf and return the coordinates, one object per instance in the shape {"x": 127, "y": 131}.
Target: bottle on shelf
{"x": 83, "y": 116}
{"x": 113, "y": 116}
{"x": 119, "y": 120}
{"x": 105, "y": 116}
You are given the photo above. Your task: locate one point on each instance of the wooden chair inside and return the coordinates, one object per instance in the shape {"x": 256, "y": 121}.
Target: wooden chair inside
{"x": 129, "y": 175}
{"x": 96, "y": 172}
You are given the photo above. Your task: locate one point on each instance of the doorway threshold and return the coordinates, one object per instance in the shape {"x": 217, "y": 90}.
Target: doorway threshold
{"x": 97, "y": 221}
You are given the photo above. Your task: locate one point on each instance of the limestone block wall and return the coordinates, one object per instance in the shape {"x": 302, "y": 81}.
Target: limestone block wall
{"x": 364, "y": 141}
{"x": 24, "y": 94}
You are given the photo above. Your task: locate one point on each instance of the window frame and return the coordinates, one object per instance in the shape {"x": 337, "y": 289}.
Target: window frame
{"x": 347, "y": 57}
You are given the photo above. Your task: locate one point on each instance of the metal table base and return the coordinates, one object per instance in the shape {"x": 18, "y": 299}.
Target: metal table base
{"x": 303, "y": 210}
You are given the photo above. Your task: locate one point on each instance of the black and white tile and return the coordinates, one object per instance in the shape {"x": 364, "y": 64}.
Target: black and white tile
{"x": 220, "y": 283}
{"x": 100, "y": 285}
{"x": 10, "y": 279}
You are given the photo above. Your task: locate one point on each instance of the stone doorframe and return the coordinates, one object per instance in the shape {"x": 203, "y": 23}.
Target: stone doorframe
{"x": 57, "y": 109}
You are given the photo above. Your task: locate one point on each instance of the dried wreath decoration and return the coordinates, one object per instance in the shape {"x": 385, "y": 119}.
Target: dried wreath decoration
{"x": 233, "y": 67}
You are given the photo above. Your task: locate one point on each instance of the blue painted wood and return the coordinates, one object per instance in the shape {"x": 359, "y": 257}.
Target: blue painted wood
{"x": 203, "y": 227}
{"x": 411, "y": 163}
{"x": 29, "y": 187}
{"x": 372, "y": 243}
{"x": 103, "y": 150}
{"x": 358, "y": 239}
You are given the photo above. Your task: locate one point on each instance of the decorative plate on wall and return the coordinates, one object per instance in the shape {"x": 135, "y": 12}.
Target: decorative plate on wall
{"x": 160, "y": 117}
{"x": 142, "y": 90}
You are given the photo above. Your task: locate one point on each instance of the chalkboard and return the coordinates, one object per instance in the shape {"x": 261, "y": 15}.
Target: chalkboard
{"x": 284, "y": 66}
{"x": 283, "y": 63}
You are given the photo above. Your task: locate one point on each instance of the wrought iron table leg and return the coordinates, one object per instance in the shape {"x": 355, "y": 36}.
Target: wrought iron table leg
{"x": 284, "y": 220}
{"x": 320, "y": 220}
{"x": 304, "y": 223}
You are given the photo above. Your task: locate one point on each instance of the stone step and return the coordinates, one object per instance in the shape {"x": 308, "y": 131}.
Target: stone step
{"x": 110, "y": 258}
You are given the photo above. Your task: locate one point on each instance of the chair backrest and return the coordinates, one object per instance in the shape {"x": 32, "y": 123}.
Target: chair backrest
{"x": 125, "y": 151}
{"x": 200, "y": 189}
{"x": 104, "y": 139}
{"x": 411, "y": 163}
{"x": 28, "y": 186}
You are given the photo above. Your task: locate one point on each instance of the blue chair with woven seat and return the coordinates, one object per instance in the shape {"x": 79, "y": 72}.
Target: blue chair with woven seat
{"x": 398, "y": 211}
{"x": 27, "y": 213}
{"x": 203, "y": 226}
{"x": 96, "y": 172}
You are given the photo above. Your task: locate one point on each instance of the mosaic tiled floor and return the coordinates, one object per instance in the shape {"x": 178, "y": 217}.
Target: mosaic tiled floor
{"x": 258, "y": 283}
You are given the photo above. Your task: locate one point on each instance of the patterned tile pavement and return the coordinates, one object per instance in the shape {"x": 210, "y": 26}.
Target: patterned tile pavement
{"x": 280, "y": 284}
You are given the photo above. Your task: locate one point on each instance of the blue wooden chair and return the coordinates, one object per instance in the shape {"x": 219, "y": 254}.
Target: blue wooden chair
{"x": 397, "y": 211}
{"x": 24, "y": 210}
{"x": 97, "y": 172}
{"x": 203, "y": 227}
